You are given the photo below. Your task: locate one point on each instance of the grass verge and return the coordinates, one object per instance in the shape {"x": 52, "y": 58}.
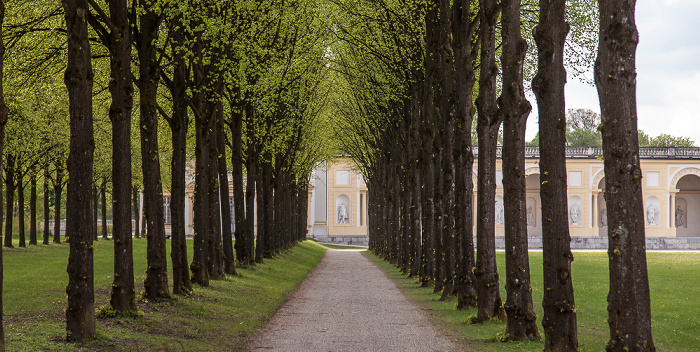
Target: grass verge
{"x": 672, "y": 280}
{"x": 221, "y": 317}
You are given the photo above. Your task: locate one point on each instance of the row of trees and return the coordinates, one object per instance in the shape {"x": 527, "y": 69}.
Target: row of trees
{"x": 409, "y": 72}
{"x": 225, "y": 89}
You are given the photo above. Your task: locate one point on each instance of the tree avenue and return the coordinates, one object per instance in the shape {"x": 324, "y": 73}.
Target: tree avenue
{"x": 240, "y": 100}
{"x": 403, "y": 123}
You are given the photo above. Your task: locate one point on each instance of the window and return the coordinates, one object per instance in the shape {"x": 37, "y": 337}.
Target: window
{"x": 342, "y": 177}
{"x": 653, "y": 179}
{"x": 575, "y": 178}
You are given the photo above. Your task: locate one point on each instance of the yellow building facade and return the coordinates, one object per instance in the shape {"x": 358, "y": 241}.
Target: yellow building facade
{"x": 670, "y": 182}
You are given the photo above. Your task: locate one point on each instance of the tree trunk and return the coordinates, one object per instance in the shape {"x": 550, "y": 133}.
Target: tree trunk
{"x": 20, "y": 213}
{"x": 559, "y": 321}
{"x": 178, "y": 125}
{"x": 215, "y": 252}
{"x": 489, "y": 119}
{"x": 80, "y": 314}
{"x": 9, "y": 199}
{"x": 629, "y": 312}
{"x": 242, "y": 236}
{"x": 226, "y": 221}
{"x": 103, "y": 204}
{"x": 521, "y": 322}
{"x": 57, "y": 190}
{"x": 465, "y": 282}
{"x": 135, "y": 201}
{"x": 428, "y": 159}
{"x": 95, "y": 205}
{"x": 199, "y": 266}
{"x": 47, "y": 211}
{"x": 122, "y": 296}
{"x": 251, "y": 170}
{"x": 156, "y": 282}
{"x": 267, "y": 193}
{"x": 32, "y": 211}
{"x": 260, "y": 207}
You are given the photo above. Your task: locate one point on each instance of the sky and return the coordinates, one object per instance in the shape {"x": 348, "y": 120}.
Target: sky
{"x": 668, "y": 71}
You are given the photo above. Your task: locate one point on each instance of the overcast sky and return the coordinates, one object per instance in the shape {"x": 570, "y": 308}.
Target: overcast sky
{"x": 668, "y": 71}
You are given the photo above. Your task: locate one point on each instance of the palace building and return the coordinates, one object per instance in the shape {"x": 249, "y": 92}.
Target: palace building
{"x": 670, "y": 181}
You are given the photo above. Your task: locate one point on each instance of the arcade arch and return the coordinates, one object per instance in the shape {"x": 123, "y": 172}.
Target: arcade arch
{"x": 686, "y": 218}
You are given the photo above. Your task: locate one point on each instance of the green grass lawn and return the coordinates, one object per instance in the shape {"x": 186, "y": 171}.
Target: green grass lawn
{"x": 675, "y": 307}
{"x": 221, "y": 317}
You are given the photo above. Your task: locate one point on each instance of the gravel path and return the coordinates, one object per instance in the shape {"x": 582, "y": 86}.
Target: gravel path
{"x": 348, "y": 304}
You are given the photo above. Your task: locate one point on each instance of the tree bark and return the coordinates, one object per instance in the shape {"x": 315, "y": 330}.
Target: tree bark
{"x": 489, "y": 120}
{"x": 156, "y": 282}
{"x": 122, "y": 296}
{"x": 559, "y": 321}
{"x": 80, "y": 314}
{"x": 629, "y": 312}
{"x": 521, "y": 320}
{"x": 32, "y": 211}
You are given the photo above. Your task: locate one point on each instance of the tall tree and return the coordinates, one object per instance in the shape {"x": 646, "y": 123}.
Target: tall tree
{"x": 156, "y": 282}
{"x": 521, "y": 318}
{"x": 559, "y": 321}
{"x": 115, "y": 32}
{"x": 80, "y": 314}
{"x": 489, "y": 121}
{"x": 463, "y": 31}
{"x": 629, "y": 312}
{"x": 178, "y": 123}
{"x": 3, "y": 121}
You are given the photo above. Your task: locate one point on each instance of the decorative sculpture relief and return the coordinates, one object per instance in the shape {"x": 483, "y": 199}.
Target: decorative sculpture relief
{"x": 574, "y": 215}
{"x": 680, "y": 217}
{"x": 652, "y": 213}
{"x": 343, "y": 216}
{"x": 530, "y": 217}
{"x": 603, "y": 217}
